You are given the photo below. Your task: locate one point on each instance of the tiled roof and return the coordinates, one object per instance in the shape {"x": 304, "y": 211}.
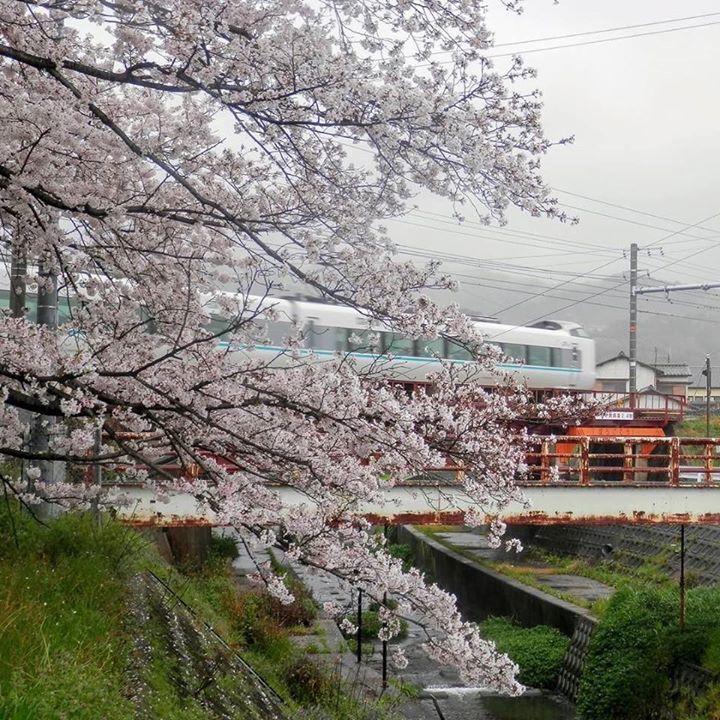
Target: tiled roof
{"x": 662, "y": 369}
{"x": 673, "y": 369}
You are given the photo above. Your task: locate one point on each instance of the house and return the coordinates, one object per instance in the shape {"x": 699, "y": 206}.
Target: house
{"x": 697, "y": 394}
{"x": 613, "y": 375}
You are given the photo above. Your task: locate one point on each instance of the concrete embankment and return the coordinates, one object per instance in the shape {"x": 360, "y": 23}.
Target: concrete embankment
{"x": 482, "y": 592}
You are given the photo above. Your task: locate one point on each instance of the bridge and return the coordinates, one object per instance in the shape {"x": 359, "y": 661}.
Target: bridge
{"x": 570, "y": 480}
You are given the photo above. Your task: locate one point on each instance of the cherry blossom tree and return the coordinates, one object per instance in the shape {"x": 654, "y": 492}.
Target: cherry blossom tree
{"x": 170, "y": 163}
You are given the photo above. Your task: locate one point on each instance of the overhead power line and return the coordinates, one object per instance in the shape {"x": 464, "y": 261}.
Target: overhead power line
{"x": 604, "y": 40}
{"x": 502, "y": 231}
{"x": 479, "y": 235}
{"x": 594, "y": 303}
{"x": 526, "y": 51}
{"x": 607, "y": 30}
{"x": 642, "y": 224}
{"x": 600, "y": 267}
{"x": 627, "y": 208}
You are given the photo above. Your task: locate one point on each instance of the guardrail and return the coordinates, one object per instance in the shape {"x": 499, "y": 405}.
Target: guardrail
{"x": 654, "y": 407}
{"x": 583, "y": 460}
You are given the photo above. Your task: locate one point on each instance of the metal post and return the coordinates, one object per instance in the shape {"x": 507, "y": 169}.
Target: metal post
{"x": 628, "y": 463}
{"x": 359, "y": 626}
{"x": 708, "y": 385}
{"x": 682, "y": 577}
{"x": 544, "y": 462}
{"x": 47, "y": 316}
{"x": 674, "y": 461}
{"x": 18, "y": 283}
{"x": 584, "y": 460}
{"x": 384, "y": 653}
{"x": 632, "y": 356}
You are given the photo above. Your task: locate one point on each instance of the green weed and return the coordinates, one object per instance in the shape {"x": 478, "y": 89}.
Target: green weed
{"x": 538, "y": 651}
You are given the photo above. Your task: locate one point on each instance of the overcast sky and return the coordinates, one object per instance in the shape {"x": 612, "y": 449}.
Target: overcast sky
{"x": 644, "y": 113}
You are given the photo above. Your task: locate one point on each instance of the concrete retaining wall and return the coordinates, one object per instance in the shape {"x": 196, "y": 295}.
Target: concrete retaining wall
{"x": 481, "y": 592}
{"x": 633, "y": 545}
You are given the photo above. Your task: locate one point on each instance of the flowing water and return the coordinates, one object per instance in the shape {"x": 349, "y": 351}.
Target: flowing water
{"x": 486, "y": 707}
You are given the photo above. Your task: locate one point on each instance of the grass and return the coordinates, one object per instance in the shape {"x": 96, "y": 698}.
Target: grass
{"x": 67, "y": 636}
{"x": 608, "y": 572}
{"x": 538, "y": 651}
{"x": 62, "y": 647}
{"x": 696, "y": 427}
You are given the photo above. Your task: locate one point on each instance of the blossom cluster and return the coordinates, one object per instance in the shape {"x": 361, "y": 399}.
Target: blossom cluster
{"x": 170, "y": 163}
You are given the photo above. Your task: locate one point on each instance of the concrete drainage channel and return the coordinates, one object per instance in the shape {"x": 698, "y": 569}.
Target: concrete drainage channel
{"x": 442, "y": 694}
{"x": 481, "y": 593}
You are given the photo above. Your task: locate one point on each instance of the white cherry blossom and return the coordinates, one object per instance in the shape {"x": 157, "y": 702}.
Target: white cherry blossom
{"x": 167, "y": 162}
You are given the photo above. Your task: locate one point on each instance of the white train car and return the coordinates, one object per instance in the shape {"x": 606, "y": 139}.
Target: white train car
{"x": 548, "y": 355}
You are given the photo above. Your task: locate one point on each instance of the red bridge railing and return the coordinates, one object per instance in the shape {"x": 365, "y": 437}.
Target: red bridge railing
{"x": 603, "y": 460}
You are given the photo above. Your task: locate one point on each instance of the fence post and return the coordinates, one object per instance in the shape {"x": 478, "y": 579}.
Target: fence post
{"x": 628, "y": 474}
{"x": 359, "y": 626}
{"x": 709, "y": 449}
{"x": 585, "y": 460}
{"x": 675, "y": 461}
{"x": 384, "y": 653}
{"x": 544, "y": 462}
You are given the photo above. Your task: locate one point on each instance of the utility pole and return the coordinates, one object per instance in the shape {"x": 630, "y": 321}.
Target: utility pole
{"x": 18, "y": 290}
{"x": 632, "y": 355}
{"x": 46, "y": 316}
{"x": 707, "y": 372}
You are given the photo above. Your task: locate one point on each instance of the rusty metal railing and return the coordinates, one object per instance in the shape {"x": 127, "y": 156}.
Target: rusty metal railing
{"x": 603, "y": 460}
{"x": 658, "y": 408}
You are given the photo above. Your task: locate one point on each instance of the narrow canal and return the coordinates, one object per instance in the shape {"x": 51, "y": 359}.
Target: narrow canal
{"x": 502, "y": 708}
{"x": 443, "y": 696}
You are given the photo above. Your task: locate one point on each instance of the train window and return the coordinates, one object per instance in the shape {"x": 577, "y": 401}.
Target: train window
{"x": 515, "y": 352}
{"x": 557, "y": 357}
{"x": 321, "y": 337}
{"x": 547, "y": 325}
{"x": 431, "y": 348}
{"x": 278, "y": 333}
{"x": 397, "y": 344}
{"x": 539, "y": 356}
{"x": 64, "y": 310}
{"x": 457, "y": 352}
{"x": 217, "y": 325}
{"x": 490, "y": 347}
{"x": 360, "y": 340}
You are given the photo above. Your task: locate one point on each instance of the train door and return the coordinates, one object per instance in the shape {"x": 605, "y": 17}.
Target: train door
{"x": 575, "y": 364}
{"x": 569, "y": 360}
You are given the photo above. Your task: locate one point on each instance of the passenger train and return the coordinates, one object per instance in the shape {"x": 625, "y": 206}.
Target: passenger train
{"x": 546, "y": 355}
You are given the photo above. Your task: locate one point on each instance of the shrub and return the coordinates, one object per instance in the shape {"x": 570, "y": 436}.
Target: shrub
{"x": 626, "y": 673}
{"x": 538, "y": 651}
{"x": 301, "y": 611}
{"x": 371, "y": 624}
{"x": 223, "y": 546}
{"x": 701, "y": 634}
{"x": 402, "y": 552}
{"x": 306, "y": 680}
{"x": 638, "y": 643}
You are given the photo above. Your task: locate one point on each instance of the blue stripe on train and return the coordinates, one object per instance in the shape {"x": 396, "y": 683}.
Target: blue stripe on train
{"x": 410, "y": 358}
